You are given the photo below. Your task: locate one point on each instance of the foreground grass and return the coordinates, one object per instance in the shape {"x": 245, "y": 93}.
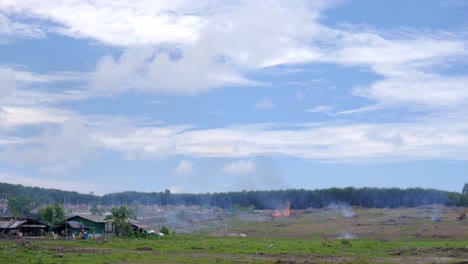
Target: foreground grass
{"x": 208, "y": 249}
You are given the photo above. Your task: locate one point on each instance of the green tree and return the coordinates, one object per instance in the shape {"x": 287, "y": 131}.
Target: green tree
{"x": 465, "y": 189}
{"x": 21, "y": 205}
{"x": 95, "y": 210}
{"x": 120, "y": 217}
{"x": 53, "y": 215}
{"x": 47, "y": 215}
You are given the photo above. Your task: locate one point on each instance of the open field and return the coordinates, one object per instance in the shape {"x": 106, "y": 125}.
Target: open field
{"x": 309, "y": 236}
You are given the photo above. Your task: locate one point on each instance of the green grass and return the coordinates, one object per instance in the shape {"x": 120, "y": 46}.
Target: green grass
{"x": 209, "y": 249}
{"x": 382, "y": 236}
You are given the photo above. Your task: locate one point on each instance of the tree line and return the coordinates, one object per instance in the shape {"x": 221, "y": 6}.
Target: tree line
{"x": 273, "y": 199}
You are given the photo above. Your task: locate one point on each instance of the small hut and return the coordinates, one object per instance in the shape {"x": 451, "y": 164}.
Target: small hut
{"x": 138, "y": 226}
{"x": 22, "y": 227}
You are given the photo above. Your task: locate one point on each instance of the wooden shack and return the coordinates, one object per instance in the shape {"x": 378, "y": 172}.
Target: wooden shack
{"x": 22, "y": 227}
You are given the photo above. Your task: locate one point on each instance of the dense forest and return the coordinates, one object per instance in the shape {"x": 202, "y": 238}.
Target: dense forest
{"x": 298, "y": 198}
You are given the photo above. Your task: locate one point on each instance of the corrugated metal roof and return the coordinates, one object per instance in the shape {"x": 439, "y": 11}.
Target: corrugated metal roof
{"x": 139, "y": 224}
{"x": 11, "y": 223}
{"x": 93, "y": 218}
{"x": 5, "y": 224}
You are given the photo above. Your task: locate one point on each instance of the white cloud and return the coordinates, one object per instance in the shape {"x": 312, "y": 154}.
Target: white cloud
{"x": 115, "y": 22}
{"x": 184, "y": 167}
{"x": 134, "y": 142}
{"x": 419, "y": 89}
{"x": 216, "y": 42}
{"x": 52, "y": 77}
{"x": 265, "y": 103}
{"x": 148, "y": 70}
{"x": 184, "y": 48}
{"x": 407, "y": 65}
{"x": 13, "y": 116}
{"x": 353, "y": 48}
{"x": 9, "y": 28}
{"x": 7, "y": 83}
{"x": 53, "y": 152}
{"x": 321, "y": 109}
{"x": 419, "y": 139}
{"x": 239, "y": 167}
{"x": 39, "y": 99}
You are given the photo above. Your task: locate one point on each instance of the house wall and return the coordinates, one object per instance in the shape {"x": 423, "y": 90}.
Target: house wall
{"x": 96, "y": 228}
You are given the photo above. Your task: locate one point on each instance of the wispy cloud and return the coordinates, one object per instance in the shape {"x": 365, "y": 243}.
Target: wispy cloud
{"x": 15, "y": 29}
{"x": 184, "y": 167}
{"x": 64, "y": 149}
{"x": 193, "y": 48}
{"x": 239, "y": 167}
{"x": 265, "y": 103}
{"x": 215, "y": 43}
{"x": 8, "y": 83}
{"x": 452, "y": 3}
{"x": 12, "y": 117}
{"x": 326, "y": 109}
{"x": 52, "y": 77}
{"x": 428, "y": 90}
{"x": 425, "y": 139}
{"x": 152, "y": 71}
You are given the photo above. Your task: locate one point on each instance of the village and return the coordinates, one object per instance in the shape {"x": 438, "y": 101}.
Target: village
{"x": 159, "y": 233}
{"x": 97, "y": 222}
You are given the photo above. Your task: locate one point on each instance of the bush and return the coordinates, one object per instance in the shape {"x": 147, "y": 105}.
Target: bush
{"x": 346, "y": 242}
{"x": 164, "y": 230}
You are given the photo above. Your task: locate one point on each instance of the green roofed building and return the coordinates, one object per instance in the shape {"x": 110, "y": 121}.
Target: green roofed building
{"x": 97, "y": 224}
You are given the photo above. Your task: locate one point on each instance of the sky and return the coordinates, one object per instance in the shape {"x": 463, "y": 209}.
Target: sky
{"x": 212, "y": 96}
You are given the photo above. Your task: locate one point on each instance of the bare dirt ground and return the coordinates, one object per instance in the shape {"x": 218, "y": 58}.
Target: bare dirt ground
{"x": 431, "y": 222}
{"x": 328, "y": 225}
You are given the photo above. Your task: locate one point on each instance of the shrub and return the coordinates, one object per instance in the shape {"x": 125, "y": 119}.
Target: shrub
{"x": 164, "y": 230}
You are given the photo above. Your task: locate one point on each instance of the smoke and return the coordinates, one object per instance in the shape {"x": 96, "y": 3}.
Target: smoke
{"x": 341, "y": 208}
{"x": 186, "y": 219}
{"x": 260, "y": 173}
{"x": 436, "y": 213}
{"x": 346, "y": 235}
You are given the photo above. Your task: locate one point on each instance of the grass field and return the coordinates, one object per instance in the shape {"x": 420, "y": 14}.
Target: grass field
{"x": 314, "y": 236}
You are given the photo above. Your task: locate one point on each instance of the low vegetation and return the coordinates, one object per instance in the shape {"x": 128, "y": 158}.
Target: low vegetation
{"x": 404, "y": 235}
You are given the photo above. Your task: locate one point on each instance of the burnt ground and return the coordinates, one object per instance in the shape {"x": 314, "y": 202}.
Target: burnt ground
{"x": 380, "y": 225}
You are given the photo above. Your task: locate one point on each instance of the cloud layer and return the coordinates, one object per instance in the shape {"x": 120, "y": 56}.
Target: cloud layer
{"x": 170, "y": 49}
{"x": 177, "y": 47}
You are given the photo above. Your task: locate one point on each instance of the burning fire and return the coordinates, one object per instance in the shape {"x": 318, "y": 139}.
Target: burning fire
{"x": 286, "y": 213}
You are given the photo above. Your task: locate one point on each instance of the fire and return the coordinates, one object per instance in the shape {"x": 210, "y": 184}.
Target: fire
{"x": 276, "y": 214}
{"x": 286, "y": 213}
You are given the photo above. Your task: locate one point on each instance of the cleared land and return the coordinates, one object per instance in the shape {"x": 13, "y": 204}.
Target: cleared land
{"x": 417, "y": 235}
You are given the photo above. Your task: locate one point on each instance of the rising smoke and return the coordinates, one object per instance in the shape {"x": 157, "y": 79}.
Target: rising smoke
{"x": 341, "y": 208}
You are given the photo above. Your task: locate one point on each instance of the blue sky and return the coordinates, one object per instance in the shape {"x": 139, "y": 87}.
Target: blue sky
{"x": 106, "y": 96}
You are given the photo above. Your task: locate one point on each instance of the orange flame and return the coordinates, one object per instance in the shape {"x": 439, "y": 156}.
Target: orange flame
{"x": 286, "y": 213}
{"x": 276, "y": 214}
